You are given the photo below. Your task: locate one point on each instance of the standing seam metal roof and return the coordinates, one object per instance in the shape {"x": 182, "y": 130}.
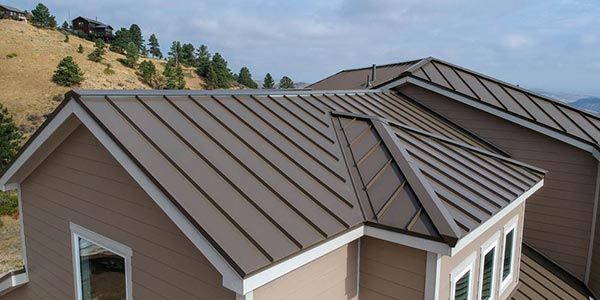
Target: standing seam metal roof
{"x": 262, "y": 174}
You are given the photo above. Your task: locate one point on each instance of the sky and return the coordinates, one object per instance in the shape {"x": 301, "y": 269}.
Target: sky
{"x": 552, "y": 45}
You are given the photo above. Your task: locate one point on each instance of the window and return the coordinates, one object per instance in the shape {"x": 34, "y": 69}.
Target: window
{"x": 487, "y": 271}
{"x": 508, "y": 253}
{"x": 461, "y": 279}
{"x": 102, "y": 266}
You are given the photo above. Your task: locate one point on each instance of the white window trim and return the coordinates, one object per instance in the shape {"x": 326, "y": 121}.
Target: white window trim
{"x": 512, "y": 225}
{"x": 493, "y": 242}
{"x": 100, "y": 240}
{"x": 468, "y": 265}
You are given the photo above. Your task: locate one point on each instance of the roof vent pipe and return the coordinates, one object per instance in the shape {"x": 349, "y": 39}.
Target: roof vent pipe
{"x": 369, "y": 84}
{"x": 373, "y": 69}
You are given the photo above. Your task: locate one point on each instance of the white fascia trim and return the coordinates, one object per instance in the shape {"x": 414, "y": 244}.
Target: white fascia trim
{"x": 58, "y": 120}
{"x": 467, "y": 265}
{"x": 408, "y": 240}
{"x": 248, "y": 296}
{"x": 471, "y": 236}
{"x": 492, "y": 244}
{"x": 512, "y": 225}
{"x": 432, "y": 276}
{"x": 496, "y": 112}
{"x": 22, "y": 229}
{"x": 13, "y": 282}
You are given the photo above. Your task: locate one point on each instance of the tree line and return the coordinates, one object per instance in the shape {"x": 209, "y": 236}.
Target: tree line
{"x": 131, "y": 43}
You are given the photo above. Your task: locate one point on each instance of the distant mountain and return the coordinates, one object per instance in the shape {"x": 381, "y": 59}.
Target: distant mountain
{"x": 591, "y": 104}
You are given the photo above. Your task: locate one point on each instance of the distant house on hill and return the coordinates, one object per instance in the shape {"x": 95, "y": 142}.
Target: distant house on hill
{"x": 8, "y": 12}
{"x": 93, "y": 28}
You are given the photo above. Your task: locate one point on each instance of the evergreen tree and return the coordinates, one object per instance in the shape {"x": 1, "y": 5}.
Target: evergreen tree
{"x": 136, "y": 37}
{"x": 132, "y": 56}
{"x": 268, "y": 82}
{"x": 286, "y": 83}
{"x": 65, "y": 26}
{"x": 154, "y": 47}
{"x": 188, "y": 57}
{"x": 10, "y": 137}
{"x": 173, "y": 76}
{"x": 222, "y": 75}
{"x": 120, "y": 41}
{"x": 80, "y": 49}
{"x": 203, "y": 63}
{"x": 41, "y": 17}
{"x": 99, "y": 50}
{"x": 175, "y": 52}
{"x": 67, "y": 72}
{"x": 245, "y": 78}
{"x": 147, "y": 71}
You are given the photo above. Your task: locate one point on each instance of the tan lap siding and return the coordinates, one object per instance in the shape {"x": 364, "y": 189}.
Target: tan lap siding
{"x": 332, "y": 276}
{"x": 391, "y": 271}
{"x": 558, "y": 217}
{"x": 82, "y": 183}
{"x": 594, "y": 276}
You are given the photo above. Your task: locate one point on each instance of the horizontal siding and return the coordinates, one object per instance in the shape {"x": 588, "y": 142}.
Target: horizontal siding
{"x": 594, "y": 276}
{"x": 80, "y": 182}
{"x": 391, "y": 271}
{"x": 558, "y": 217}
{"x": 332, "y": 276}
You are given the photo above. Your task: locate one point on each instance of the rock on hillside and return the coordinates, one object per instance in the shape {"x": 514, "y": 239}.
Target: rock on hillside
{"x": 28, "y": 58}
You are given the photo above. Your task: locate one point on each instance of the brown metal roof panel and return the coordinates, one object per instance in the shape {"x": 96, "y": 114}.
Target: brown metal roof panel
{"x": 458, "y": 84}
{"x": 506, "y": 101}
{"x": 435, "y": 76}
{"x": 582, "y": 122}
{"x": 559, "y": 117}
{"x": 218, "y": 228}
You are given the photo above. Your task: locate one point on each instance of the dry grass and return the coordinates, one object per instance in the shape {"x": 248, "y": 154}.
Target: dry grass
{"x": 10, "y": 244}
{"x": 25, "y": 79}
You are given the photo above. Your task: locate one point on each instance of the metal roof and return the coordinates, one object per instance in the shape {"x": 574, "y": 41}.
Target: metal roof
{"x": 264, "y": 176}
{"x": 540, "y": 278}
{"x": 10, "y": 8}
{"x": 521, "y": 103}
{"x": 93, "y": 21}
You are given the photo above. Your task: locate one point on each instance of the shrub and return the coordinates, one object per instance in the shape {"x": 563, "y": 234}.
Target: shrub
{"x": 66, "y": 38}
{"x": 108, "y": 70}
{"x": 9, "y": 203}
{"x": 11, "y": 55}
{"x": 99, "y": 51}
{"x": 67, "y": 72}
{"x": 148, "y": 74}
{"x": 132, "y": 55}
{"x": 80, "y": 49}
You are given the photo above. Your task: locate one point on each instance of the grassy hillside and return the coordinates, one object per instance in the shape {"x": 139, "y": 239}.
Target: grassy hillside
{"x": 25, "y": 79}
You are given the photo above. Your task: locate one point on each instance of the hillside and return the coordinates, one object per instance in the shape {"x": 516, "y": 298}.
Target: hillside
{"x": 25, "y": 80}
{"x": 591, "y": 104}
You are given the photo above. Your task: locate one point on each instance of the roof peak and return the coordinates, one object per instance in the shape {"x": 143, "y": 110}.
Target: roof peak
{"x": 84, "y": 92}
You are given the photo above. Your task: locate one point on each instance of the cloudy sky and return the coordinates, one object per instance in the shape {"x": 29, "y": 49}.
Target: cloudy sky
{"x": 548, "y": 44}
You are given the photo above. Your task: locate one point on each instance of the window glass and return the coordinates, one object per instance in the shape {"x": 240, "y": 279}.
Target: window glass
{"x": 508, "y": 254}
{"x": 488, "y": 274}
{"x": 102, "y": 273}
{"x": 461, "y": 288}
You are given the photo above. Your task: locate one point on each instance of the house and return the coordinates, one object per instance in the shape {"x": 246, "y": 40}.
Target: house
{"x": 561, "y": 219}
{"x": 296, "y": 194}
{"x": 92, "y": 28}
{"x": 7, "y": 12}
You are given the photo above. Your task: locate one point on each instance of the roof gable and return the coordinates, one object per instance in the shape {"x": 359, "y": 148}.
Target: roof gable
{"x": 10, "y": 8}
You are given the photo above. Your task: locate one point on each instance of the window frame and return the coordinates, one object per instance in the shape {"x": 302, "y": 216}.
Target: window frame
{"x": 510, "y": 226}
{"x": 104, "y": 242}
{"x": 493, "y": 242}
{"x": 467, "y": 265}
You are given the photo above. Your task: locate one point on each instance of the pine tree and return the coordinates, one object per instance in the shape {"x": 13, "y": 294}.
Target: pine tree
{"x": 80, "y": 49}
{"x": 154, "y": 47}
{"x": 222, "y": 76}
{"x": 203, "y": 57}
{"x": 268, "y": 82}
{"x": 245, "y": 78}
{"x": 10, "y": 137}
{"x": 147, "y": 71}
{"x": 67, "y": 72}
{"x": 41, "y": 17}
{"x": 99, "y": 50}
{"x": 65, "y": 26}
{"x": 121, "y": 40}
{"x": 286, "y": 83}
{"x": 188, "y": 57}
{"x": 175, "y": 52}
{"x": 132, "y": 56}
{"x": 136, "y": 37}
{"x": 173, "y": 76}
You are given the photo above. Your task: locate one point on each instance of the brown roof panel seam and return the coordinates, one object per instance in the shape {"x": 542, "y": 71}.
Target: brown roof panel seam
{"x": 545, "y": 112}
{"x": 320, "y": 120}
{"x": 191, "y": 181}
{"x": 303, "y": 120}
{"x": 221, "y": 174}
{"x": 518, "y": 103}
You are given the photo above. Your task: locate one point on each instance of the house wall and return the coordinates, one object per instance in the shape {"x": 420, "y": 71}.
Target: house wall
{"x": 391, "y": 271}
{"x": 559, "y": 217}
{"x": 594, "y": 273}
{"x": 332, "y": 276}
{"x": 81, "y": 182}
{"x": 448, "y": 264}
